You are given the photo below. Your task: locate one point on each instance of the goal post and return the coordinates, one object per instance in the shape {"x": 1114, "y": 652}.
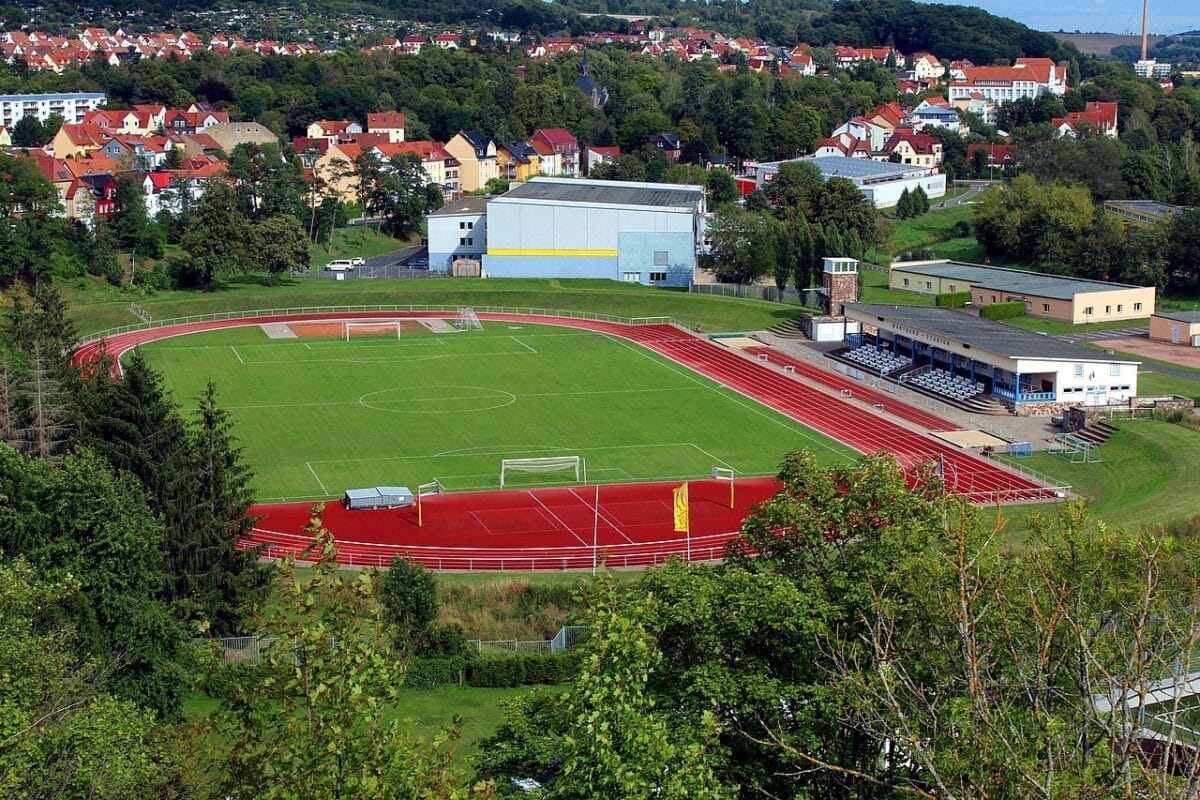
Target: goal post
{"x": 375, "y": 327}
{"x": 725, "y": 474}
{"x": 423, "y": 491}
{"x": 467, "y": 320}
{"x": 544, "y": 465}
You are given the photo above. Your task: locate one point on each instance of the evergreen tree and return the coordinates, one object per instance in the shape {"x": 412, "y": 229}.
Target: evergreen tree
{"x": 853, "y": 245}
{"x": 802, "y": 243}
{"x": 223, "y": 580}
{"x": 835, "y": 245}
{"x": 904, "y": 206}
{"x": 818, "y": 252}
{"x": 43, "y": 409}
{"x": 920, "y": 202}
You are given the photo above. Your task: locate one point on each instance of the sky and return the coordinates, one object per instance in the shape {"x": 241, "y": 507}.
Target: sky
{"x": 1095, "y": 16}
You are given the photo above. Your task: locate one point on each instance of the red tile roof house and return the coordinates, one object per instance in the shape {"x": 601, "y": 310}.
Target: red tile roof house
{"x": 560, "y": 142}
{"x": 997, "y": 155}
{"x": 593, "y": 155}
{"x": 1101, "y": 116}
{"x": 390, "y": 124}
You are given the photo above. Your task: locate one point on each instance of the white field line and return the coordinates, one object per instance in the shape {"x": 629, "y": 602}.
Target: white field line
{"x": 534, "y": 394}
{"x": 599, "y": 512}
{"x": 470, "y": 452}
{"x": 557, "y": 519}
{"x": 317, "y": 477}
{"x": 719, "y": 461}
{"x": 794, "y": 427}
{"x": 236, "y": 353}
{"x": 527, "y": 347}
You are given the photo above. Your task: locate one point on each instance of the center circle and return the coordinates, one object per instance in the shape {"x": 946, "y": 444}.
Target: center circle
{"x": 437, "y": 399}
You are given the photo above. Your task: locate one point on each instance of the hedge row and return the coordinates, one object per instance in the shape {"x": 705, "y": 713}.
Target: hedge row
{"x": 523, "y": 669}
{"x": 425, "y": 673}
{"x": 952, "y": 299}
{"x": 1003, "y": 310}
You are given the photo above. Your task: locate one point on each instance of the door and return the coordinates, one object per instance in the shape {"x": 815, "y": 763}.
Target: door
{"x": 1174, "y": 334}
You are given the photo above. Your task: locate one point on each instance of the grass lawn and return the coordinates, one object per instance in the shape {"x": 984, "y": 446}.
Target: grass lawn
{"x": 361, "y": 240}
{"x": 1156, "y": 384}
{"x": 1146, "y": 476}
{"x": 95, "y": 306}
{"x": 319, "y": 415}
{"x": 923, "y": 231}
{"x": 429, "y": 710}
{"x": 1054, "y": 327}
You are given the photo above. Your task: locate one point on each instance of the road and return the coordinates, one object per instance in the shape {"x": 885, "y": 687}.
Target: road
{"x": 973, "y": 190}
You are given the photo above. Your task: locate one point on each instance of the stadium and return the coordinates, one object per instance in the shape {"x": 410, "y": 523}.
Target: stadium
{"x": 443, "y": 399}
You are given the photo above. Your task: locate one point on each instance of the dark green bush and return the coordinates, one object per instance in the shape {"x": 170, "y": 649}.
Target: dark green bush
{"x": 952, "y": 299}
{"x": 1003, "y": 310}
{"x": 523, "y": 669}
{"x": 425, "y": 673}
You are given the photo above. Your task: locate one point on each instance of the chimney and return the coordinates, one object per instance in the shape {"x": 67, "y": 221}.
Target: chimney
{"x": 1145, "y": 22}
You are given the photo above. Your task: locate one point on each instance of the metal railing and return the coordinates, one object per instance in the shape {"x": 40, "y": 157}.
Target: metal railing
{"x": 267, "y": 313}
{"x": 749, "y": 291}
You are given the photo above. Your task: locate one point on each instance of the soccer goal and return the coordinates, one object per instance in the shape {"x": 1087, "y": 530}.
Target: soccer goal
{"x": 467, "y": 320}
{"x": 370, "y": 328}
{"x": 544, "y": 465}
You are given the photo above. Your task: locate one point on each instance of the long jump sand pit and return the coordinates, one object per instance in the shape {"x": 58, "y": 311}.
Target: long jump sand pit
{"x": 1179, "y": 354}
{"x": 965, "y": 439}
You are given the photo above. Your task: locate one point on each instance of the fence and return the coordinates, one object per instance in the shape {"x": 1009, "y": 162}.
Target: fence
{"x": 250, "y": 650}
{"x": 748, "y": 291}
{"x": 265, "y": 313}
{"x": 567, "y": 637}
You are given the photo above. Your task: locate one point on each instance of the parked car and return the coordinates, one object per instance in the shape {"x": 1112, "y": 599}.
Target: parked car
{"x": 340, "y": 265}
{"x": 358, "y": 261}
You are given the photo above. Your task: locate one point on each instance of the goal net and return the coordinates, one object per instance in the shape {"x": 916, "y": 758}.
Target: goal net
{"x": 467, "y": 321}
{"x": 370, "y": 328}
{"x": 544, "y": 465}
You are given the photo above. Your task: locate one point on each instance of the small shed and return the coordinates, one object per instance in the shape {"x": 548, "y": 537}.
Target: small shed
{"x": 1176, "y": 327}
{"x": 378, "y": 497}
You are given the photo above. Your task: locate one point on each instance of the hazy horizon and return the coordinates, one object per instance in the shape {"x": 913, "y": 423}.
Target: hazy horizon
{"x": 1095, "y": 16}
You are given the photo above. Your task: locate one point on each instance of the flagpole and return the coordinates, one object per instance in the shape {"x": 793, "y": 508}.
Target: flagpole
{"x": 688, "y": 522}
{"x": 595, "y": 527}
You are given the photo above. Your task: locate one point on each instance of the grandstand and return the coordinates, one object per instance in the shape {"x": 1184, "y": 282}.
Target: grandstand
{"x": 961, "y": 358}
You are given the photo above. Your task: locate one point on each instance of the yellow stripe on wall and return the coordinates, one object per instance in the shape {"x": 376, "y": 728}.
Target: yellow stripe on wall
{"x": 520, "y": 252}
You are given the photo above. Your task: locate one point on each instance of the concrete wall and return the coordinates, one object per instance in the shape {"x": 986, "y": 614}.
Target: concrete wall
{"x": 1087, "y": 382}
{"x": 1167, "y": 330}
{"x": 446, "y": 233}
{"x": 888, "y": 194}
{"x": 637, "y": 254}
{"x": 550, "y": 266}
{"x": 924, "y": 284}
{"x": 1115, "y": 304}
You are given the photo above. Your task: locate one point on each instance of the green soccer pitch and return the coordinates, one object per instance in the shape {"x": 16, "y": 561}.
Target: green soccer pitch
{"x": 317, "y": 416}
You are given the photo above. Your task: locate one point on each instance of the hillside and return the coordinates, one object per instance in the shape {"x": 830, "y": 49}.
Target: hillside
{"x": 1102, "y": 44}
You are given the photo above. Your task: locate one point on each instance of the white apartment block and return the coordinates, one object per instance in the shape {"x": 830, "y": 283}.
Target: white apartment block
{"x": 71, "y": 106}
{"x": 1028, "y": 77}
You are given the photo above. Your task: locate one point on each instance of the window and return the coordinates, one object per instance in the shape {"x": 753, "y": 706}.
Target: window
{"x": 1088, "y": 311}
{"x": 1114, "y": 370}
{"x": 470, "y": 226}
{"x": 462, "y": 226}
{"x": 1045, "y": 308}
{"x": 1137, "y": 306}
{"x": 658, "y": 277}
{"x": 660, "y": 258}
{"x": 1108, "y": 309}
{"x": 1120, "y": 308}
{"x": 928, "y": 284}
{"x": 951, "y": 288}
{"x": 1079, "y": 370}
{"x": 631, "y": 277}
{"x": 906, "y": 281}
{"x": 993, "y": 298}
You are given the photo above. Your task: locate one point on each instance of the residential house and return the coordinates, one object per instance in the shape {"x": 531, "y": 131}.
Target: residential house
{"x": 518, "y": 161}
{"x": 75, "y": 140}
{"x": 336, "y": 169}
{"x": 668, "y": 144}
{"x": 476, "y": 155}
{"x": 184, "y": 121}
{"x": 593, "y": 155}
{"x": 335, "y": 130}
{"x": 193, "y": 145}
{"x": 934, "y": 112}
{"x": 1100, "y": 116}
{"x": 562, "y": 146}
{"x": 5, "y": 137}
{"x": 391, "y": 124}
{"x": 137, "y": 152}
{"x": 413, "y": 43}
{"x": 229, "y": 135}
{"x": 448, "y": 41}
{"x": 887, "y": 116}
{"x": 861, "y": 128}
{"x": 995, "y": 156}
{"x": 906, "y": 147}
{"x": 926, "y": 66}
{"x": 440, "y": 167}
{"x": 801, "y": 64}
{"x": 843, "y": 144}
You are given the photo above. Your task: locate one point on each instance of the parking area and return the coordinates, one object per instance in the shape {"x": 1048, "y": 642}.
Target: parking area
{"x": 410, "y": 262}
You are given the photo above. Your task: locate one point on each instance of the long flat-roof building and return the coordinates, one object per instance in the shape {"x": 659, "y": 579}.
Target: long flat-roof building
{"x": 647, "y": 233}
{"x": 1056, "y": 297}
{"x": 881, "y": 182}
{"x": 1141, "y": 212}
{"x": 1025, "y": 370}
{"x": 71, "y": 106}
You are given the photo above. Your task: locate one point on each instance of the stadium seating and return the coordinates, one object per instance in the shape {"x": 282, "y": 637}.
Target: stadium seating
{"x": 954, "y": 387}
{"x": 879, "y": 361}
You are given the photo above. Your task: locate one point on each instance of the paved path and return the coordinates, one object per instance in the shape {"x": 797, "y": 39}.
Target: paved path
{"x": 408, "y": 262}
{"x": 973, "y": 190}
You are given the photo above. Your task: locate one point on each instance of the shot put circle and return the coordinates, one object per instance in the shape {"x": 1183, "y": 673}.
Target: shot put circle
{"x": 437, "y": 399}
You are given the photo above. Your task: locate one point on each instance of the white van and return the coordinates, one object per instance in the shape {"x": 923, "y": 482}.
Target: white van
{"x": 340, "y": 265}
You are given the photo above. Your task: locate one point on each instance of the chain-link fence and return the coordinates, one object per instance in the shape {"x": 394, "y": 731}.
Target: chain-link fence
{"x": 751, "y": 292}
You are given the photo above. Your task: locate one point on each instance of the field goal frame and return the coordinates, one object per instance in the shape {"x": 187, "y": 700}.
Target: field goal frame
{"x": 726, "y": 474}
{"x": 467, "y": 320}
{"x": 349, "y": 324}
{"x": 545, "y": 464}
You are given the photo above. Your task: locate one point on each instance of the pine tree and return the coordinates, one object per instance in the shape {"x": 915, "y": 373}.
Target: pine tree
{"x": 835, "y": 246}
{"x": 43, "y": 410}
{"x": 904, "y": 206}
{"x": 818, "y": 252}
{"x": 853, "y": 245}
{"x": 8, "y": 403}
{"x": 802, "y": 242}
{"x": 920, "y": 202}
{"x": 222, "y": 579}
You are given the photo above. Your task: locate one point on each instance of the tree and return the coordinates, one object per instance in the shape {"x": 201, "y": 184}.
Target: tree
{"x": 28, "y": 132}
{"x": 722, "y": 188}
{"x": 802, "y": 253}
{"x": 408, "y": 595}
{"x": 43, "y": 414}
{"x": 280, "y": 246}
{"x": 743, "y": 245}
{"x": 404, "y": 202}
{"x": 313, "y": 721}
{"x": 795, "y": 185}
{"x": 1183, "y": 248}
{"x": 216, "y": 237}
{"x": 920, "y": 202}
{"x": 617, "y": 745}
{"x": 267, "y": 184}
{"x": 130, "y": 223}
{"x": 904, "y": 206}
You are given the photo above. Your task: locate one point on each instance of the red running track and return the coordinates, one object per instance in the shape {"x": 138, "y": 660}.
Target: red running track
{"x": 553, "y": 528}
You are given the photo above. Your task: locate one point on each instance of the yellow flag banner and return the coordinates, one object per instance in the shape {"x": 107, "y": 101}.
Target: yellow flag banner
{"x": 681, "y": 508}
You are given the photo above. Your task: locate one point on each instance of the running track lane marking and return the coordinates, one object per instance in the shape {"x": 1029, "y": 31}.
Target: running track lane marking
{"x": 314, "y": 474}
{"x": 611, "y": 521}
{"x": 557, "y": 519}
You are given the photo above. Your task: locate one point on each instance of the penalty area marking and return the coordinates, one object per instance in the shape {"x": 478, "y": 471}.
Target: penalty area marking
{"x": 236, "y": 353}
{"x": 317, "y": 477}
